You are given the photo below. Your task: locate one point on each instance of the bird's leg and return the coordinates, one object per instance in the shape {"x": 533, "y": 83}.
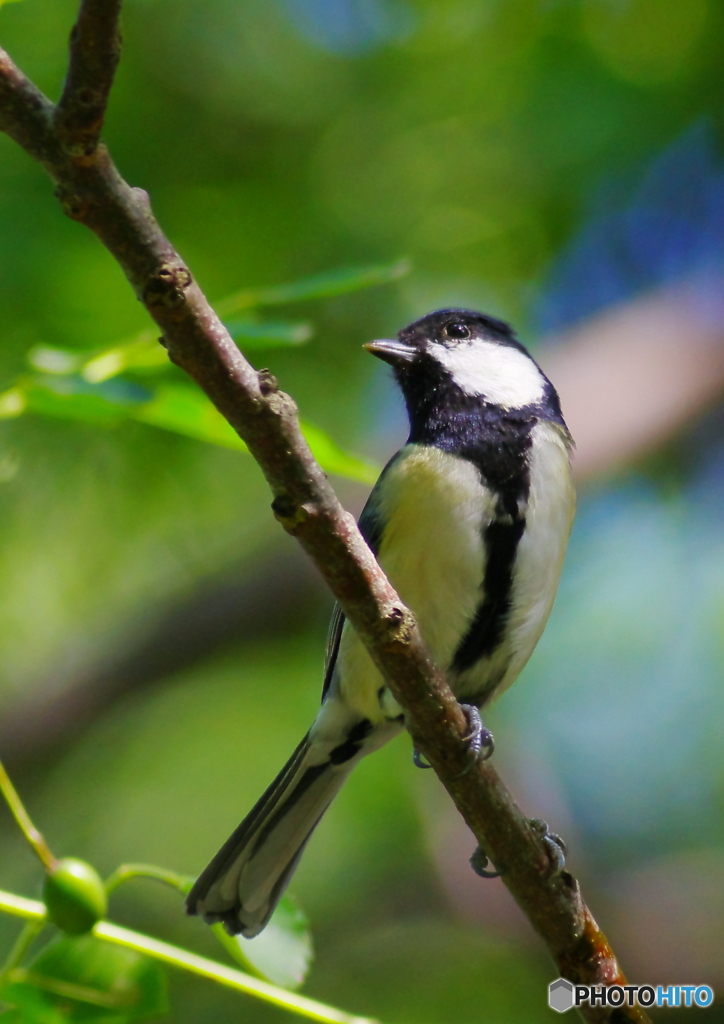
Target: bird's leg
{"x": 554, "y": 845}
{"x": 479, "y": 740}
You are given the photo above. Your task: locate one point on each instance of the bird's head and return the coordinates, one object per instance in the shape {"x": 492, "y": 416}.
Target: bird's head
{"x": 460, "y": 351}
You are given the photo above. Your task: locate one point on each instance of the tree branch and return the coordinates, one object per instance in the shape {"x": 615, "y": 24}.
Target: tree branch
{"x": 95, "y": 49}
{"x": 92, "y": 192}
{"x": 26, "y": 115}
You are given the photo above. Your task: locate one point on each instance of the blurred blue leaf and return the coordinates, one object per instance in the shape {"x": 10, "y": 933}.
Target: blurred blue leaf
{"x": 666, "y": 226}
{"x": 351, "y": 26}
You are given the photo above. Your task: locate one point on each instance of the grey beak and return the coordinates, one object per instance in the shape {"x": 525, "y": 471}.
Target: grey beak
{"x": 392, "y": 351}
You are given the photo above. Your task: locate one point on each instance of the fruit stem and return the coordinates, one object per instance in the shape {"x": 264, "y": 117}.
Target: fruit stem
{"x": 31, "y": 833}
{"x": 182, "y": 883}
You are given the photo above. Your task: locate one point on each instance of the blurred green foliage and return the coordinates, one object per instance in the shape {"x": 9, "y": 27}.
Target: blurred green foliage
{"x": 82, "y": 980}
{"x": 280, "y": 140}
{"x": 86, "y": 386}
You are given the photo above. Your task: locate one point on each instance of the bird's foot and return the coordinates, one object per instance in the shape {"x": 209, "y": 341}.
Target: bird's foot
{"x": 479, "y": 863}
{"x": 418, "y": 760}
{"x": 554, "y": 845}
{"x": 555, "y": 848}
{"x": 479, "y": 740}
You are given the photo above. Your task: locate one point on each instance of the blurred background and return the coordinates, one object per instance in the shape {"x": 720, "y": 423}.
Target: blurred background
{"x": 558, "y": 163}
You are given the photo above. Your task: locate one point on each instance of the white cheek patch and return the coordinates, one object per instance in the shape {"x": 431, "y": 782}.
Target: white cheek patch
{"x": 499, "y": 373}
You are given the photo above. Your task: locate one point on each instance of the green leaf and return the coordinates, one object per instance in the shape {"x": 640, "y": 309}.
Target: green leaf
{"x": 334, "y": 459}
{"x": 269, "y": 334}
{"x": 12, "y": 403}
{"x": 32, "y": 1008}
{"x": 282, "y": 953}
{"x": 144, "y": 352}
{"x": 84, "y": 981}
{"x": 319, "y": 286}
{"x": 49, "y": 359}
{"x": 75, "y": 399}
{"x": 186, "y": 410}
{"x": 179, "y": 408}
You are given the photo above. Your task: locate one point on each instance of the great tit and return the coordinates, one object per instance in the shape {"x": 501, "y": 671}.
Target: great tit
{"x": 470, "y": 521}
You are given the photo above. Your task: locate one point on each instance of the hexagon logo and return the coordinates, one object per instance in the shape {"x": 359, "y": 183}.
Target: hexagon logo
{"x": 560, "y": 995}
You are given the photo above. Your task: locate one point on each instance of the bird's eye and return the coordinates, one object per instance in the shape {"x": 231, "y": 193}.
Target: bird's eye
{"x": 457, "y": 330}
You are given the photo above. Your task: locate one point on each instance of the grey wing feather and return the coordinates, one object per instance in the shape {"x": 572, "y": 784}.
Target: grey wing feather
{"x": 263, "y": 809}
{"x": 371, "y": 529}
{"x": 330, "y": 655}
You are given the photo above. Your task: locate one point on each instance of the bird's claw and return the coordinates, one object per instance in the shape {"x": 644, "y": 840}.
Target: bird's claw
{"x": 479, "y": 863}
{"x": 418, "y": 760}
{"x": 555, "y": 847}
{"x": 479, "y": 740}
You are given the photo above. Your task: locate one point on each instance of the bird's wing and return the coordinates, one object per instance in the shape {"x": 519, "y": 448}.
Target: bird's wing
{"x": 330, "y": 655}
{"x": 371, "y": 529}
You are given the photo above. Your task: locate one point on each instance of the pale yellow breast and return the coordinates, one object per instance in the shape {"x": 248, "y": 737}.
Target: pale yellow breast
{"x": 435, "y": 510}
{"x": 542, "y": 548}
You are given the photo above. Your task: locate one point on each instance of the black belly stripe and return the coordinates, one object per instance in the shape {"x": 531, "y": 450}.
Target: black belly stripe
{"x": 485, "y": 632}
{"x": 498, "y": 441}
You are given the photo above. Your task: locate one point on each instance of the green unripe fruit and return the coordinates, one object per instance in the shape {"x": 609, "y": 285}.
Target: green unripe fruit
{"x": 74, "y": 896}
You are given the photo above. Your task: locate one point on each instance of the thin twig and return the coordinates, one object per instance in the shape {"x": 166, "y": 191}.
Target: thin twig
{"x": 34, "y": 912}
{"x": 35, "y": 838}
{"x": 174, "y": 956}
{"x": 92, "y": 192}
{"x": 124, "y": 872}
{"x": 95, "y": 49}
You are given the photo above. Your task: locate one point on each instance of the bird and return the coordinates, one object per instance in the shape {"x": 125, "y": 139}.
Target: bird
{"x": 470, "y": 521}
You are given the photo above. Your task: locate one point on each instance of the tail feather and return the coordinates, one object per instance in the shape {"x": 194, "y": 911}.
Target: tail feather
{"x": 243, "y": 883}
